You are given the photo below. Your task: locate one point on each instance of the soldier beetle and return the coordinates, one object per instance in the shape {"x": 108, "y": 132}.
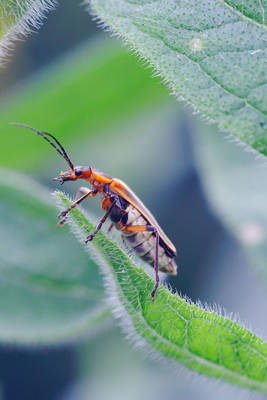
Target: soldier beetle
{"x": 126, "y": 211}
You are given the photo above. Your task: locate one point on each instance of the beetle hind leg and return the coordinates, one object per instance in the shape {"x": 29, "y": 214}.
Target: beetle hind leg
{"x": 156, "y": 266}
{"x": 111, "y": 226}
{"x": 149, "y": 228}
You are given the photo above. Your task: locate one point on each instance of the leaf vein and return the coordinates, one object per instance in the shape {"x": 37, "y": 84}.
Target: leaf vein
{"x": 235, "y": 11}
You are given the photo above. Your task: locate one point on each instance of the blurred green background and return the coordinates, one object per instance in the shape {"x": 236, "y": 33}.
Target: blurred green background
{"x": 207, "y": 193}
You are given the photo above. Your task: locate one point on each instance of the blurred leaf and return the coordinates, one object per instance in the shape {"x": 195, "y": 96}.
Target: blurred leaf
{"x": 237, "y": 189}
{"x": 94, "y": 87}
{"x": 50, "y": 292}
{"x": 19, "y": 17}
{"x": 171, "y": 327}
{"x": 211, "y": 54}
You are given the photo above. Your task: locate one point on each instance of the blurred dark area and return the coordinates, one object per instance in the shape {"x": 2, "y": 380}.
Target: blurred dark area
{"x": 37, "y": 373}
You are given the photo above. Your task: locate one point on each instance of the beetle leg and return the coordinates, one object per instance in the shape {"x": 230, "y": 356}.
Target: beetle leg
{"x": 87, "y": 192}
{"x": 149, "y": 228}
{"x": 99, "y": 226}
{"x": 156, "y": 266}
{"x": 81, "y": 190}
{"x": 110, "y": 227}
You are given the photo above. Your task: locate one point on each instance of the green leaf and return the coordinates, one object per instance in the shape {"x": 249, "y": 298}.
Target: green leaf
{"x": 253, "y": 10}
{"x": 19, "y": 17}
{"x": 172, "y": 327}
{"x": 90, "y": 91}
{"x": 212, "y": 55}
{"x": 49, "y": 291}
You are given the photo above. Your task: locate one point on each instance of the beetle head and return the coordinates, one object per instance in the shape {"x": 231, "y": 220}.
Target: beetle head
{"x": 74, "y": 174}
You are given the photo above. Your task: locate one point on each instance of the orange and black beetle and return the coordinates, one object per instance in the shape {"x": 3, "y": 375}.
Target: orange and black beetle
{"x": 128, "y": 214}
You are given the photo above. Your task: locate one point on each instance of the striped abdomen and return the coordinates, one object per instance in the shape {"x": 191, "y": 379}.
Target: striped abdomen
{"x": 144, "y": 243}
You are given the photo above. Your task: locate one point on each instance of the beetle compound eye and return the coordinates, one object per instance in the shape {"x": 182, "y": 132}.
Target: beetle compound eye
{"x": 78, "y": 172}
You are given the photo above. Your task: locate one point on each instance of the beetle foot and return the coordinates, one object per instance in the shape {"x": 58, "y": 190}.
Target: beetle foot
{"x": 89, "y": 238}
{"x": 62, "y": 221}
{"x": 153, "y": 293}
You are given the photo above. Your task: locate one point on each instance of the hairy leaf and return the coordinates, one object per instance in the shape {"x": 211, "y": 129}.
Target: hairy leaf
{"x": 172, "y": 327}
{"x": 19, "y": 17}
{"x": 211, "y": 53}
{"x": 49, "y": 291}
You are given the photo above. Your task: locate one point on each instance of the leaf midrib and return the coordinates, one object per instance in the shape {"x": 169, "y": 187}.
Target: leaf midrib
{"x": 201, "y": 360}
{"x": 175, "y": 310}
{"x": 239, "y": 13}
{"x": 230, "y": 375}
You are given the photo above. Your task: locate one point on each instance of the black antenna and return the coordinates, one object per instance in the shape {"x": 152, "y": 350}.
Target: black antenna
{"x": 62, "y": 152}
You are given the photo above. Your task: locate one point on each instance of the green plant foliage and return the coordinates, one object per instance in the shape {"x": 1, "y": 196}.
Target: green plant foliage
{"x": 18, "y": 18}
{"x": 171, "y": 327}
{"x": 90, "y": 89}
{"x": 251, "y": 9}
{"x": 212, "y": 55}
{"x": 50, "y": 292}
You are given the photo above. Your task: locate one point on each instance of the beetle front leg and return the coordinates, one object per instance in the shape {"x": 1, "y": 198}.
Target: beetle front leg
{"x": 99, "y": 226}
{"x": 87, "y": 192}
{"x": 149, "y": 228}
